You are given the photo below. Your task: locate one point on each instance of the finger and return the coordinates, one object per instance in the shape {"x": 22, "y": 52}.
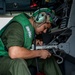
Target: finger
{"x": 41, "y": 43}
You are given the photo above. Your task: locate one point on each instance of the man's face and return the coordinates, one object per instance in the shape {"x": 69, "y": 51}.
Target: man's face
{"x": 43, "y": 28}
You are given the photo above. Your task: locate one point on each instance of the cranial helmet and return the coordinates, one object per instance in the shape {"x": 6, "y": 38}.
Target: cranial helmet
{"x": 41, "y": 14}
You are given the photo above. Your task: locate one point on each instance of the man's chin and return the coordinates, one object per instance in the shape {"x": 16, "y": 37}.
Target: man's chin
{"x": 38, "y": 33}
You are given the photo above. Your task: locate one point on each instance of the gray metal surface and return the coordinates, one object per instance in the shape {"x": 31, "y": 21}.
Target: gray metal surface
{"x": 71, "y": 22}
{"x": 69, "y": 67}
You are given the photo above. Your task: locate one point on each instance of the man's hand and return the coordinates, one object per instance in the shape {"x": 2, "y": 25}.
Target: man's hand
{"x": 44, "y": 54}
{"x": 39, "y": 42}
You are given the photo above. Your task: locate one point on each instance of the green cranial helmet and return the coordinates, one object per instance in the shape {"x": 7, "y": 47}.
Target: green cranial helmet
{"x": 41, "y": 14}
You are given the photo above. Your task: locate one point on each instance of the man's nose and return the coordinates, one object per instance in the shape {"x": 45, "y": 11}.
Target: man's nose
{"x": 45, "y": 31}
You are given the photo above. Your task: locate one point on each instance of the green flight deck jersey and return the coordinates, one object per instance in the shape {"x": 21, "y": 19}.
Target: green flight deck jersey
{"x": 28, "y": 31}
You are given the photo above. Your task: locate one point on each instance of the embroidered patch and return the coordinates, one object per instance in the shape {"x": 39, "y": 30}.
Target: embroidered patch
{"x": 29, "y": 31}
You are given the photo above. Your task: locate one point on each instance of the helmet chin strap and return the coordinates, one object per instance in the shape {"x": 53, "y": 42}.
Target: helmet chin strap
{"x": 36, "y": 25}
{"x": 39, "y": 24}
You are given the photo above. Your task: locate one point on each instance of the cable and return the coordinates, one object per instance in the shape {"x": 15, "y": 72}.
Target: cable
{"x": 36, "y": 59}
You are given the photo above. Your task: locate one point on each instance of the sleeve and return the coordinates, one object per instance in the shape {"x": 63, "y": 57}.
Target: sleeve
{"x": 14, "y": 35}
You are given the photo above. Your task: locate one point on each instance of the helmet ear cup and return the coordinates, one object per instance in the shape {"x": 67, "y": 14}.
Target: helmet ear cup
{"x": 40, "y": 18}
